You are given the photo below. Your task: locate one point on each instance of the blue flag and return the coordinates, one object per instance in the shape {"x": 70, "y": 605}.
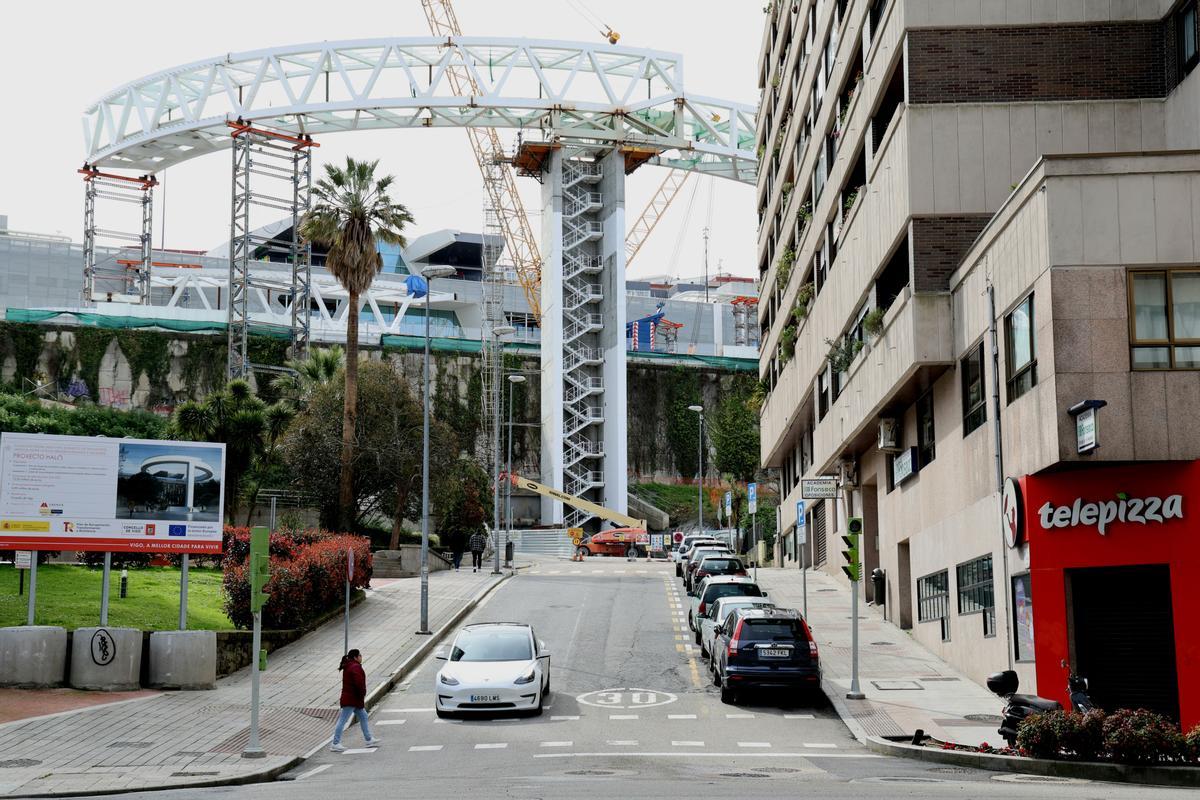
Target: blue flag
{"x": 417, "y": 286}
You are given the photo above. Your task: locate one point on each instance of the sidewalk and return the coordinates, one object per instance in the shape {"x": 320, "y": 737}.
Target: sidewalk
{"x": 196, "y": 738}
{"x": 906, "y": 686}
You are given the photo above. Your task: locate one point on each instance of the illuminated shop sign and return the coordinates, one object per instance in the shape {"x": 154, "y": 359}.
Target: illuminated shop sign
{"x": 1102, "y": 513}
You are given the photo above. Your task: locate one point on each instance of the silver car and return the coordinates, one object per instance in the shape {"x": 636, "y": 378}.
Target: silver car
{"x": 711, "y": 589}
{"x": 716, "y": 614}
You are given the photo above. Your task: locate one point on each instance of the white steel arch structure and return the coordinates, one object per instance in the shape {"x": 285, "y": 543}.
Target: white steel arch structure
{"x": 568, "y": 91}
{"x": 596, "y": 111}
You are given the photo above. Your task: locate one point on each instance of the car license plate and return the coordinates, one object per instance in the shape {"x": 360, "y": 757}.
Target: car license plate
{"x": 485, "y": 698}
{"x": 774, "y": 653}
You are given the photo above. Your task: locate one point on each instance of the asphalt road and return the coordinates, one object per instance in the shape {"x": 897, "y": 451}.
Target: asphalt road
{"x": 631, "y": 715}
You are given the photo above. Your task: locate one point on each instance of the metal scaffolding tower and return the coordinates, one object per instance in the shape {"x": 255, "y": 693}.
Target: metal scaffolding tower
{"x": 111, "y": 278}
{"x": 271, "y": 170}
{"x": 493, "y": 313}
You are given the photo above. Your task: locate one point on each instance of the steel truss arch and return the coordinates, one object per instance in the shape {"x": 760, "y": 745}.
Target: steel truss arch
{"x": 574, "y": 92}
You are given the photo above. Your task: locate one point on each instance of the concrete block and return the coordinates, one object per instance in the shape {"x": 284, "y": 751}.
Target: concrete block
{"x": 106, "y": 659}
{"x": 183, "y": 659}
{"x": 33, "y": 656}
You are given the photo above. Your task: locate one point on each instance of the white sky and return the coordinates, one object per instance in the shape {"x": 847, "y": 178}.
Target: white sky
{"x": 60, "y": 56}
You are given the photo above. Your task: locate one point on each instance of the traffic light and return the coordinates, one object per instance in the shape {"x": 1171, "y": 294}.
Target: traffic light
{"x": 260, "y": 567}
{"x": 852, "y": 536}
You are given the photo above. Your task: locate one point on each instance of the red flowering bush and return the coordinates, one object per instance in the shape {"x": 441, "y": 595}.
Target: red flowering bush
{"x": 1138, "y": 736}
{"x": 1191, "y": 744}
{"x": 1083, "y": 734}
{"x": 308, "y": 574}
{"x": 1040, "y": 735}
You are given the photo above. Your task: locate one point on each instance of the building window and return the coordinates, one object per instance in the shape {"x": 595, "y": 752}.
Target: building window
{"x": 933, "y": 600}
{"x": 1022, "y": 603}
{"x": 1021, "y": 349}
{"x": 973, "y": 397}
{"x": 925, "y": 436}
{"x": 976, "y": 593}
{"x": 1164, "y": 319}
{"x": 1186, "y": 26}
{"x": 822, "y": 394}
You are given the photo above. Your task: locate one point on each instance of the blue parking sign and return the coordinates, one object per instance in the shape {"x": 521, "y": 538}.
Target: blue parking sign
{"x": 801, "y": 527}
{"x": 752, "y": 497}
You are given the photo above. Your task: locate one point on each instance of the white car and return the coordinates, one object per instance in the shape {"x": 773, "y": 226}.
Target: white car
{"x": 691, "y": 540}
{"x": 716, "y": 614}
{"x": 493, "y": 667}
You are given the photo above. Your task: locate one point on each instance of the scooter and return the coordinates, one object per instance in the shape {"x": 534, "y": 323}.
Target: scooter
{"x": 1020, "y": 706}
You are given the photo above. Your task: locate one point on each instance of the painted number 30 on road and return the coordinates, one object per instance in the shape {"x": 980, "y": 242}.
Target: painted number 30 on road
{"x": 626, "y": 698}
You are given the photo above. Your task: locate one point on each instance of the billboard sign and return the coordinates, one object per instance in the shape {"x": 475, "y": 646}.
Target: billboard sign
{"x": 102, "y": 494}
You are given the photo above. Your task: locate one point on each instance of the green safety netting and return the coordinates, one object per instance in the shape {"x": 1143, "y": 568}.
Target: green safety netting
{"x": 114, "y": 322}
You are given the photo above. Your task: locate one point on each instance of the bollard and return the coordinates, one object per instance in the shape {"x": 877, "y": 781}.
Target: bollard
{"x": 124, "y": 583}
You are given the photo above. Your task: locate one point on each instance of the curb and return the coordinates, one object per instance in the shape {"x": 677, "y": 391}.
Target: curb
{"x": 836, "y": 697}
{"x": 373, "y": 699}
{"x": 1180, "y": 776}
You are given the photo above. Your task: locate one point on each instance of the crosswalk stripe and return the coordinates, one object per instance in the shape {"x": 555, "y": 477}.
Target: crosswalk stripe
{"x": 753, "y": 744}
{"x": 798, "y": 716}
{"x": 622, "y": 742}
{"x": 564, "y": 718}
{"x": 816, "y": 745}
{"x": 390, "y": 721}
{"x": 622, "y": 716}
{"x": 492, "y": 746}
{"x": 681, "y": 716}
{"x": 421, "y": 748}
{"x": 739, "y": 716}
{"x": 557, "y": 744}
{"x": 687, "y": 744}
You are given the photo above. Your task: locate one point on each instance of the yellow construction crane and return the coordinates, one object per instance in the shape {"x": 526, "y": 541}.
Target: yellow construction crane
{"x": 577, "y": 502}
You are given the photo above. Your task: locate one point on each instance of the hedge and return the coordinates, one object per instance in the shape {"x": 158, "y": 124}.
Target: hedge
{"x": 1126, "y": 736}
{"x": 308, "y": 575}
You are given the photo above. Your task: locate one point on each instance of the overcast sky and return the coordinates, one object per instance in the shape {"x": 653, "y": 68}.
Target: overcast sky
{"x": 60, "y": 56}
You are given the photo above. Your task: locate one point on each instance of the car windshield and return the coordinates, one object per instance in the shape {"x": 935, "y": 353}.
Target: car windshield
{"x": 700, "y": 555}
{"x": 731, "y": 590}
{"x": 767, "y": 630}
{"x": 492, "y": 645}
{"x": 714, "y": 564}
{"x": 727, "y": 608}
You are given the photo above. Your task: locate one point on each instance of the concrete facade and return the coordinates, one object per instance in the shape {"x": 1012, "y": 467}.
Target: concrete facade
{"x": 898, "y": 199}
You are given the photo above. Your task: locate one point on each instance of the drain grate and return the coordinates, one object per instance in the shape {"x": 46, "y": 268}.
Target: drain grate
{"x": 591, "y": 772}
{"x": 899, "y": 779}
{"x": 778, "y": 770}
{"x": 17, "y": 763}
{"x": 743, "y": 775}
{"x": 138, "y": 745}
{"x": 883, "y": 644}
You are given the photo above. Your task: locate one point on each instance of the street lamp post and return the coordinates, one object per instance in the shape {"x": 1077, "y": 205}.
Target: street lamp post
{"x": 429, "y": 274}
{"x": 513, "y": 380}
{"x": 499, "y": 332}
{"x": 700, "y": 468}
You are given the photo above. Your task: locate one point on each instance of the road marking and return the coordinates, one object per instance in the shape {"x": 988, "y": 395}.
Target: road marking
{"x": 403, "y": 710}
{"x": 622, "y": 716}
{"x": 576, "y": 572}
{"x": 492, "y": 746}
{"x": 564, "y": 718}
{"x": 313, "y": 771}
{"x": 557, "y": 744}
{"x": 680, "y": 637}
{"x": 677, "y": 754}
{"x": 798, "y": 716}
{"x": 622, "y": 743}
{"x": 390, "y": 721}
{"x": 754, "y": 744}
{"x": 441, "y": 721}
{"x": 681, "y": 716}
{"x": 687, "y": 744}
{"x": 422, "y": 748}
{"x": 739, "y": 716}
{"x": 820, "y": 744}
{"x": 679, "y": 647}
{"x": 358, "y": 751}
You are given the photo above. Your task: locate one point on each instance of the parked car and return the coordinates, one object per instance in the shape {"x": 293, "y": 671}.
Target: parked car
{"x": 719, "y": 586}
{"x": 718, "y": 565}
{"x": 492, "y": 667}
{"x": 716, "y": 613}
{"x": 693, "y": 561}
{"x": 765, "y": 648}
{"x": 628, "y": 542}
{"x": 679, "y": 554}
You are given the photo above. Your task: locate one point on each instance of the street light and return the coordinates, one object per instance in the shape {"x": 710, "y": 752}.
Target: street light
{"x": 429, "y": 273}
{"x": 498, "y": 332}
{"x": 700, "y": 483}
{"x": 513, "y": 380}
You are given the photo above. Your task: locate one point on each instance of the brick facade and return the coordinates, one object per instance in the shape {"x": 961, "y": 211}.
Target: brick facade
{"x": 938, "y": 246}
{"x": 1110, "y": 61}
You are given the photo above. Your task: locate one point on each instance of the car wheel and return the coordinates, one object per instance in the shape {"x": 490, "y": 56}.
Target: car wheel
{"x": 582, "y": 551}
{"x": 678, "y": 571}
{"x": 698, "y": 636}
{"x": 703, "y": 649}
{"x": 546, "y": 688}
{"x": 537, "y": 712}
{"x": 716, "y": 676}
{"x": 631, "y": 552}
{"x": 443, "y": 714}
{"x": 728, "y": 695}
{"x": 690, "y": 625}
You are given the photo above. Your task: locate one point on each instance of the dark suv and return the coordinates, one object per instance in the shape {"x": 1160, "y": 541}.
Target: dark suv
{"x": 765, "y": 648}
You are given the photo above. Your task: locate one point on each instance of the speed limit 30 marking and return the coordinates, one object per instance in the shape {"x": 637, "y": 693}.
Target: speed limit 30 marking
{"x": 626, "y": 698}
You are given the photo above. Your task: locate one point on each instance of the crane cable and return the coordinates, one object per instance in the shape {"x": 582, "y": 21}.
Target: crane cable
{"x": 605, "y": 30}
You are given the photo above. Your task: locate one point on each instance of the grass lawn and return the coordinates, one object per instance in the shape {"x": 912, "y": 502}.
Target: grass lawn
{"x": 70, "y": 596}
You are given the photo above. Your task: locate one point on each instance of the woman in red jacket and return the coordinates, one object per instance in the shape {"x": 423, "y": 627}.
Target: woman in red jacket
{"x": 353, "y": 700}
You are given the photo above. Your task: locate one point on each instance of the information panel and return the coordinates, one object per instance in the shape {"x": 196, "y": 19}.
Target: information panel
{"x": 97, "y": 493}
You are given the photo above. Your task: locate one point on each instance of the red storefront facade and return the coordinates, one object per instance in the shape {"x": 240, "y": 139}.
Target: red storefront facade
{"x": 1113, "y": 586}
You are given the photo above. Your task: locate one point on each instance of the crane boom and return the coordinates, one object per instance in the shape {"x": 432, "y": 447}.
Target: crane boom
{"x": 500, "y": 184}
{"x": 641, "y": 229}
{"x": 577, "y": 502}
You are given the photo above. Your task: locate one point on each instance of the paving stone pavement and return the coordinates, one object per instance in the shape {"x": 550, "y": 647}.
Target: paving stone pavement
{"x": 906, "y": 686}
{"x": 191, "y": 738}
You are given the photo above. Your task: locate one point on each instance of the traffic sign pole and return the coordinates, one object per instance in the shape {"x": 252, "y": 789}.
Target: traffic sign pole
{"x": 32, "y": 586}
{"x": 260, "y": 571}
{"x": 853, "y": 570}
{"x": 104, "y": 589}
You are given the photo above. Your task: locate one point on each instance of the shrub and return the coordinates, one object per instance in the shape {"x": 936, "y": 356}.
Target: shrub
{"x": 1191, "y": 744}
{"x": 1083, "y": 734}
{"x": 1040, "y": 735}
{"x": 1138, "y": 736}
{"x": 308, "y": 574}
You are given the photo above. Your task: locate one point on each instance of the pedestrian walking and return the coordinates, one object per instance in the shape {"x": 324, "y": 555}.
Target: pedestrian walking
{"x": 456, "y": 552}
{"x": 477, "y": 544}
{"x": 353, "y": 701}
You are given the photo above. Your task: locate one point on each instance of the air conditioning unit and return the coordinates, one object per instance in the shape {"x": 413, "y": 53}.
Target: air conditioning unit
{"x": 889, "y": 434}
{"x": 848, "y": 473}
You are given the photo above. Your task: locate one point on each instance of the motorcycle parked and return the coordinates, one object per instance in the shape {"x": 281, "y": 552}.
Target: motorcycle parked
{"x": 1020, "y": 706}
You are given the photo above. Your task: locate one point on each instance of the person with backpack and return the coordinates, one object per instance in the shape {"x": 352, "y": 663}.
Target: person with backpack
{"x": 353, "y": 701}
{"x": 477, "y": 545}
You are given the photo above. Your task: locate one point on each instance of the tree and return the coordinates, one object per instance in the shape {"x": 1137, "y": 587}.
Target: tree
{"x": 683, "y": 424}
{"x": 735, "y": 435}
{"x": 235, "y": 416}
{"x": 319, "y": 368}
{"x": 352, "y": 211}
{"x": 387, "y": 458}
{"x": 464, "y": 503}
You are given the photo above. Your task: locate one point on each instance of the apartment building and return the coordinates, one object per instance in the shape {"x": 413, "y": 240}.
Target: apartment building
{"x": 979, "y": 252}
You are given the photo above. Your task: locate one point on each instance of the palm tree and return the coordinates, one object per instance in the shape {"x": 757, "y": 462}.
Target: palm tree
{"x": 352, "y": 211}
{"x": 318, "y": 369}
